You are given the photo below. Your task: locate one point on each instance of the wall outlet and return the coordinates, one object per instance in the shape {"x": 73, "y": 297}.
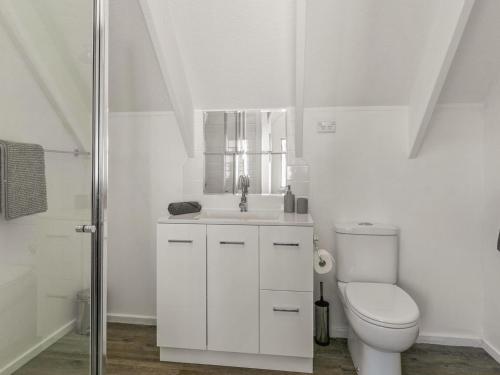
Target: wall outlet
{"x": 326, "y": 127}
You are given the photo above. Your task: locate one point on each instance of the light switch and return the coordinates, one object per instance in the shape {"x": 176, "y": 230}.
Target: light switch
{"x": 326, "y": 127}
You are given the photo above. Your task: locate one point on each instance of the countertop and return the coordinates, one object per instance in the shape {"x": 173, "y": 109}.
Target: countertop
{"x": 237, "y": 218}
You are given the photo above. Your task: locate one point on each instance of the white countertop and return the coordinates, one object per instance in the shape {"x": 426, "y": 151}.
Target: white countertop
{"x": 227, "y": 217}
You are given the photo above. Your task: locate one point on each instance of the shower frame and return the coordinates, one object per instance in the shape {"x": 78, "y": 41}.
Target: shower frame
{"x": 99, "y": 183}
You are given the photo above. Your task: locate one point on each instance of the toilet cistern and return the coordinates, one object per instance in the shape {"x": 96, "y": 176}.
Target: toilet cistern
{"x": 243, "y": 185}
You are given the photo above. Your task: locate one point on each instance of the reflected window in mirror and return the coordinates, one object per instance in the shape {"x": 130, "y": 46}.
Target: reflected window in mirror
{"x": 245, "y": 142}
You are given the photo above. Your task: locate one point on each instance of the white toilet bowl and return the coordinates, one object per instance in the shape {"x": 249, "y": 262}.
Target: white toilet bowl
{"x": 383, "y": 322}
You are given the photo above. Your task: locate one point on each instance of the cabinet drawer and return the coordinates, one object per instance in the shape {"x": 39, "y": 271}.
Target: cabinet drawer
{"x": 286, "y": 258}
{"x": 181, "y": 286}
{"x": 233, "y": 288}
{"x": 286, "y": 323}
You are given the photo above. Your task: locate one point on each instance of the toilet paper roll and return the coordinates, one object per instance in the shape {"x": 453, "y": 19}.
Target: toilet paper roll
{"x": 323, "y": 261}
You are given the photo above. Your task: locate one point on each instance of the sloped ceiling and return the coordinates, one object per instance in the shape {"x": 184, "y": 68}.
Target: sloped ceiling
{"x": 27, "y": 115}
{"x": 237, "y": 53}
{"x": 477, "y": 62}
{"x": 240, "y": 53}
{"x": 55, "y": 40}
{"x": 70, "y": 23}
{"x": 135, "y": 80}
{"x": 364, "y": 52}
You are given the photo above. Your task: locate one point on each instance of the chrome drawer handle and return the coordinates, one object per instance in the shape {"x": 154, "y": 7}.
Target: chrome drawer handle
{"x": 180, "y": 241}
{"x": 286, "y": 244}
{"x": 286, "y": 309}
{"x": 232, "y": 243}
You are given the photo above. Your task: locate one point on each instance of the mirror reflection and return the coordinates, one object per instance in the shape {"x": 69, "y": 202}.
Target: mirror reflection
{"x": 249, "y": 143}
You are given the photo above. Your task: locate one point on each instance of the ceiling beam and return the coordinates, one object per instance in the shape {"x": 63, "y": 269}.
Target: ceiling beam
{"x": 300, "y": 51}
{"x": 162, "y": 33}
{"x": 443, "y": 41}
{"x": 48, "y": 69}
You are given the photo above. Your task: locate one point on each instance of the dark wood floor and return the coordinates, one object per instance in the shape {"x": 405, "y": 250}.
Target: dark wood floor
{"x": 132, "y": 350}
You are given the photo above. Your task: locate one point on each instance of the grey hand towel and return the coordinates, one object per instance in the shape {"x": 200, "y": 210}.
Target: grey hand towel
{"x": 23, "y": 185}
{"x": 180, "y": 208}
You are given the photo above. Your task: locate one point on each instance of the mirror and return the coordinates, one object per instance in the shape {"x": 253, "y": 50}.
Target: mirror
{"x": 245, "y": 142}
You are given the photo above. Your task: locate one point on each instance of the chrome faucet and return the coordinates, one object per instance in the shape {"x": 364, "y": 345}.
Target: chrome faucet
{"x": 243, "y": 185}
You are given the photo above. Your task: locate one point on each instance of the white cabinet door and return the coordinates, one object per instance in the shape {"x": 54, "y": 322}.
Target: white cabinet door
{"x": 181, "y": 286}
{"x": 286, "y": 258}
{"x": 233, "y": 288}
{"x": 286, "y": 323}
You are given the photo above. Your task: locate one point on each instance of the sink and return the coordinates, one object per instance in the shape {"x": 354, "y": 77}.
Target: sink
{"x": 239, "y": 216}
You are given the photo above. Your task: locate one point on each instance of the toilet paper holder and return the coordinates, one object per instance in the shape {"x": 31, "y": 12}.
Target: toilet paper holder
{"x": 322, "y": 262}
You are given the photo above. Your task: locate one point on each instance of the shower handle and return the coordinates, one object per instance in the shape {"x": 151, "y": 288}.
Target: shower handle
{"x": 85, "y": 229}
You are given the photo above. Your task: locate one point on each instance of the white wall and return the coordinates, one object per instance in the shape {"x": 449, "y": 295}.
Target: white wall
{"x": 362, "y": 173}
{"x": 146, "y": 155}
{"x": 491, "y": 257}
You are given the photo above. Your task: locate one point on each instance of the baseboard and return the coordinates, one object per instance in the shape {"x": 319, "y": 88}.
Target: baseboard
{"x": 142, "y": 320}
{"x": 339, "y": 332}
{"x": 491, "y": 350}
{"x": 471, "y": 341}
{"x": 27, "y": 356}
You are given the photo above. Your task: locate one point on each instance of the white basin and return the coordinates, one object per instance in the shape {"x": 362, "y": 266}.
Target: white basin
{"x": 239, "y": 216}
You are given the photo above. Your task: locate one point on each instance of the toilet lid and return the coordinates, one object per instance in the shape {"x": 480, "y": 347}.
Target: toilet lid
{"x": 386, "y": 305}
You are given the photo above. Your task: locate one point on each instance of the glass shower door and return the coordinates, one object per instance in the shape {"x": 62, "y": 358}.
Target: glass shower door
{"x": 51, "y": 163}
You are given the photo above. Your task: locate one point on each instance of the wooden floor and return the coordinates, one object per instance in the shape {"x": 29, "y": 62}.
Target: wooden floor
{"x": 68, "y": 356}
{"x": 132, "y": 350}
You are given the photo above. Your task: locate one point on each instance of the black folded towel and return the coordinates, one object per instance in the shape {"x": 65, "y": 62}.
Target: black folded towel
{"x": 180, "y": 208}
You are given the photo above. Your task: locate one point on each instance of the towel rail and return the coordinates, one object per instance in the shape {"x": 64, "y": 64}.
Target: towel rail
{"x": 75, "y": 152}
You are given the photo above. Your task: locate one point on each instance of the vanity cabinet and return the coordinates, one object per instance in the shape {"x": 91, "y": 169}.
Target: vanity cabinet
{"x": 181, "y": 286}
{"x": 233, "y": 288}
{"x": 236, "y": 295}
{"x": 285, "y": 254}
{"x": 286, "y": 320}
{"x": 286, "y": 297}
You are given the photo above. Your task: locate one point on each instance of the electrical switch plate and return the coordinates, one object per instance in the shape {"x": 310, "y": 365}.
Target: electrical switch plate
{"x": 326, "y": 127}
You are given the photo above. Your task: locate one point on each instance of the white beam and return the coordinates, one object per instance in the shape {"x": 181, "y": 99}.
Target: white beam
{"x": 161, "y": 30}
{"x": 300, "y": 50}
{"x": 442, "y": 45}
{"x": 48, "y": 69}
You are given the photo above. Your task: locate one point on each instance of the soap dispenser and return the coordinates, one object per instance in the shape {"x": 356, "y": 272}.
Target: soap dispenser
{"x": 289, "y": 200}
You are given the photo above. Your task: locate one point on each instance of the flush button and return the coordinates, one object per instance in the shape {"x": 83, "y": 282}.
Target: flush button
{"x": 365, "y": 224}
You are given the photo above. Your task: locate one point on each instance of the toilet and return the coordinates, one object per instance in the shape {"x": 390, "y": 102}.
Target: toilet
{"x": 383, "y": 318}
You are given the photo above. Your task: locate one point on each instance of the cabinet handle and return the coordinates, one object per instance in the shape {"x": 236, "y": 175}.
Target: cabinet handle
{"x": 232, "y": 243}
{"x": 180, "y": 241}
{"x": 286, "y": 244}
{"x": 286, "y": 309}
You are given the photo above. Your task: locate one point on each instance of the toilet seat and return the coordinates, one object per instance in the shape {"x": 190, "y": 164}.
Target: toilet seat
{"x": 384, "y": 305}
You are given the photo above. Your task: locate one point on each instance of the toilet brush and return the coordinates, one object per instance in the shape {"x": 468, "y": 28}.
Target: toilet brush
{"x": 322, "y": 319}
